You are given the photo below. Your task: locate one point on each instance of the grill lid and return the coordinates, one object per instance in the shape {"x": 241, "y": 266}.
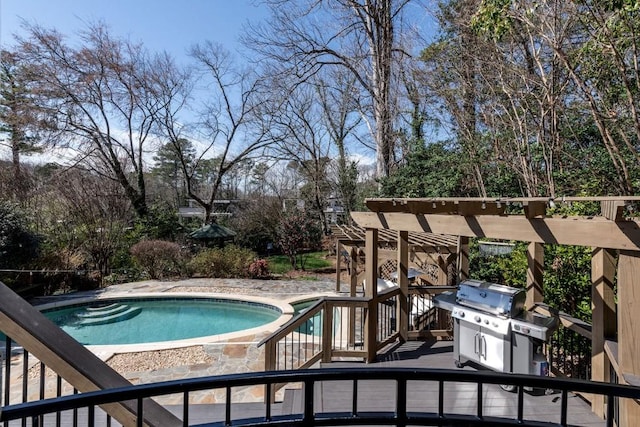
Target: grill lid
{"x": 492, "y": 298}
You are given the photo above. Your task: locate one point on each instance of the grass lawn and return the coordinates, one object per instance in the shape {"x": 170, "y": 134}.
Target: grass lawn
{"x": 280, "y": 264}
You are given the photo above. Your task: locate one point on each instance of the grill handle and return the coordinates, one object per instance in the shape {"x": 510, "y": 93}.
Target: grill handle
{"x": 476, "y": 343}
{"x": 483, "y": 347}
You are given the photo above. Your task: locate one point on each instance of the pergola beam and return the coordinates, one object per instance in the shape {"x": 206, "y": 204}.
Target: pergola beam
{"x": 581, "y": 231}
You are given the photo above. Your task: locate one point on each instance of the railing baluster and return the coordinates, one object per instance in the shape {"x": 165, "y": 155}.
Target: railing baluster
{"x": 42, "y": 385}
{"x": 227, "y": 407}
{"x": 610, "y": 412}
{"x": 185, "y": 408}
{"x": 42, "y": 379}
{"x": 354, "y": 399}
{"x": 441, "y": 399}
{"x": 25, "y": 375}
{"x": 480, "y": 402}
{"x": 520, "y": 403}
{"x": 563, "y": 408}
{"x": 140, "y": 417}
{"x": 267, "y": 410}
{"x": 58, "y": 394}
{"x": 91, "y": 413}
{"x": 307, "y": 417}
{"x": 401, "y": 401}
{"x": 75, "y": 411}
{"x": 7, "y": 372}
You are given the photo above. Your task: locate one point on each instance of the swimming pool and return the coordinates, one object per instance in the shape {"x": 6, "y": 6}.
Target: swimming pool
{"x": 157, "y": 319}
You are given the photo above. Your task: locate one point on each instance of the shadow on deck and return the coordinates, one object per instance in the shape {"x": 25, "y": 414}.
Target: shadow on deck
{"x": 461, "y": 398}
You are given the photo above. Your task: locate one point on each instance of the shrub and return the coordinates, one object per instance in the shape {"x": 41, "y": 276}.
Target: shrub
{"x": 298, "y": 232}
{"x": 159, "y": 258}
{"x": 230, "y": 261}
{"x": 259, "y": 269}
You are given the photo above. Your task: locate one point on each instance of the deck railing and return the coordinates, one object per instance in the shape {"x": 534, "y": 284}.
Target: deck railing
{"x": 569, "y": 350}
{"x": 26, "y": 379}
{"x": 424, "y": 412}
{"x": 333, "y": 327}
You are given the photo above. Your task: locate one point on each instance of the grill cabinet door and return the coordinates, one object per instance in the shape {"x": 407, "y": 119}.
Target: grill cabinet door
{"x": 469, "y": 340}
{"x": 492, "y": 349}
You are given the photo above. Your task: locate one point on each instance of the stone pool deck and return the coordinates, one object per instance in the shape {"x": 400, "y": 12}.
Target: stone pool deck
{"x": 236, "y": 355}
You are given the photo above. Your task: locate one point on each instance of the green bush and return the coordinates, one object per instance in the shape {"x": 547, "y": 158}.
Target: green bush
{"x": 159, "y": 258}
{"x": 230, "y": 261}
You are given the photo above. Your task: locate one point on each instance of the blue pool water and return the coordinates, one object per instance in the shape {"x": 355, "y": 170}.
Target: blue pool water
{"x": 145, "y": 320}
{"x": 313, "y": 326}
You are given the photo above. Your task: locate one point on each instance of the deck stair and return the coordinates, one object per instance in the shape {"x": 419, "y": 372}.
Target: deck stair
{"x": 111, "y": 313}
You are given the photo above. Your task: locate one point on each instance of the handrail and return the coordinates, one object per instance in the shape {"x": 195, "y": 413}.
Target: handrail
{"x": 341, "y": 320}
{"x": 301, "y": 318}
{"x": 576, "y": 325}
{"x": 399, "y": 416}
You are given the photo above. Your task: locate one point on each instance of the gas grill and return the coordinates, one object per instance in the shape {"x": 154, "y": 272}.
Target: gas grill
{"x": 492, "y": 329}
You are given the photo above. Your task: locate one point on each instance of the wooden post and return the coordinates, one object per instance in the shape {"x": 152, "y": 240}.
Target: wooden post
{"x": 402, "y": 312}
{"x": 270, "y": 357}
{"x": 535, "y": 260}
{"x": 442, "y": 270}
{"x": 327, "y": 332}
{"x": 353, "y": 271}
{"x": 353, "y": 275}
{"x": 338, "y": 264}
{"x": 371, "y": 291}
{"x": 628, "y": 331}
{"x": 463, "y": 258}
{"x": 603, "y": 319}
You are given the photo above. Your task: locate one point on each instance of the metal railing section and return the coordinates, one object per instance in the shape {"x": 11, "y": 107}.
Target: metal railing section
{"x": 26, "y": 379}
{"x": 311, "y": 415}
{"x": 569, "y": 350}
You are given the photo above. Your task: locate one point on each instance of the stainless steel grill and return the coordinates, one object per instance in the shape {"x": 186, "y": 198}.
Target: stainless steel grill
{"x": 492, "y": 329}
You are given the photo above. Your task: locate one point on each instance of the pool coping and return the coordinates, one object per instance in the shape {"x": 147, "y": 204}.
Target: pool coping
{"x": 106, "y": 351}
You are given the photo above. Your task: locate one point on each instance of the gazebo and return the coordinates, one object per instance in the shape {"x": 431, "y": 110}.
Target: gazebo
{"x": 213, "y": 234}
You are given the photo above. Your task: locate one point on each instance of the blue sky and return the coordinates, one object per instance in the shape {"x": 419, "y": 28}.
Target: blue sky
{"x": 173, "y": 26}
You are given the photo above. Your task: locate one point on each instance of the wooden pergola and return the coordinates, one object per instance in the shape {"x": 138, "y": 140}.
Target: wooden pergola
{"x": 614, "y": 237}
{"x": 425, "y": 250}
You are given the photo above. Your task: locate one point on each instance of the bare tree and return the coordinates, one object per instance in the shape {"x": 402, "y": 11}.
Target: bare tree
{"x": 89, "y": 217}
{"x": 101, "y": 95}
{"x": 302, "y": 139}
{"x": 231, "y": 131}
{"x": 336, "y": 94}
{"x": 357, "y": 35}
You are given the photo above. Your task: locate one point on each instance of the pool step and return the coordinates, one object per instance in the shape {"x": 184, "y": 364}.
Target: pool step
{"x": 104, "y": 307}
{"x": 110, "y": 314}
{"x": 97, "y": 312}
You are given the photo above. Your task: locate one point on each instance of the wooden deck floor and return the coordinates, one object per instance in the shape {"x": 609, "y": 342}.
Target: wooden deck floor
{"x": 459, "y": 398}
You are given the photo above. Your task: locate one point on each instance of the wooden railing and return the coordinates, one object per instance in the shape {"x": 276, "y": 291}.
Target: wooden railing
{"x": 333, "y": 328}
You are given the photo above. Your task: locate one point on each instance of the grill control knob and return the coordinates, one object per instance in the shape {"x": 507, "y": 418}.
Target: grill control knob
{"x": 461, "y": 313}
{"x": 486, "y": 321}
{"x": 477, "y": 319}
